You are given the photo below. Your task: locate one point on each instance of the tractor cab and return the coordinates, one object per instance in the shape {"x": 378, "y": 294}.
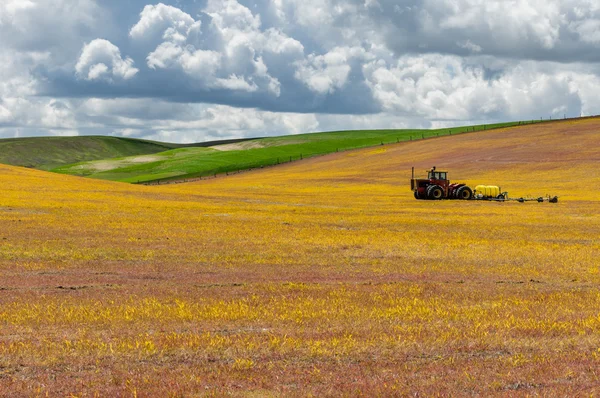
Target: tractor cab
{"x": 438, "y": 175}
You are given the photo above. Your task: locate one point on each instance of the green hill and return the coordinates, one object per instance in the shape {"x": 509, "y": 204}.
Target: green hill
{"x": 49, "y": 152}
{"x": 193, "y": 162}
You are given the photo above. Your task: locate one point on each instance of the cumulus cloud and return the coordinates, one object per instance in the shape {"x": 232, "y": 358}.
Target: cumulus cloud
{"x": 588, "y": 30}
{"x": 163, "y": 21}
{"x": 449, "y": 88}
{"x": 50, "y": 25}
{"x": 224, "y": 53}
{"x": 551, "y": 30}
{"x": 239, "y": 67}
{"x": 324, "y": 73}
{"x": 100, "y": 59}
{"x": 11, "y": 8}
{"x": 229, "y": 15}
{"x": 193, "y": 122}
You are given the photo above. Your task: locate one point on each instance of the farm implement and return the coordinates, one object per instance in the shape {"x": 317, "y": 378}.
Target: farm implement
{"x": 437, "y": 186}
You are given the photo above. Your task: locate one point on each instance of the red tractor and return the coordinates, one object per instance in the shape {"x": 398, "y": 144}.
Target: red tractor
{"x": 437, "y": 186}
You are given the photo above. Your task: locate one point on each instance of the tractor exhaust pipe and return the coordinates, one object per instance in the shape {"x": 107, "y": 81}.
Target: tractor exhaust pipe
{"x": 413, "y": 173}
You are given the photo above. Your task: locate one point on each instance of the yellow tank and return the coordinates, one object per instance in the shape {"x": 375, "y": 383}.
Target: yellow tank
{"x": 487, "y": 191}
{"x": 493, "y": 191}
{"x": 479, "y": 190}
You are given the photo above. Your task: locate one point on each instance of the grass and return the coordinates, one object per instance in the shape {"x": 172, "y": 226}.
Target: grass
{"x": 322, "y": 277}
{"x": 197, "y": 162}
{"x": 47, "y": 153}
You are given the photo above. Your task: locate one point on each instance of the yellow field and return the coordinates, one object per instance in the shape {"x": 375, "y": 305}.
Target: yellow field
{"x": 321, "y": 277}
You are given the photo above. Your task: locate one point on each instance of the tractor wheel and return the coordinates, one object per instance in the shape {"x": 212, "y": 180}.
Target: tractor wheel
{"x": 428, "y": 192}
{"x": 464, "y": 193}
{"x": 435, "y": 192}
{"x": 417, "y": 196}
{"x": 501, "y": 198}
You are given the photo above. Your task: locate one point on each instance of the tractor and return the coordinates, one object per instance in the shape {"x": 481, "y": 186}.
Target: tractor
{"x": 437, "y": 186}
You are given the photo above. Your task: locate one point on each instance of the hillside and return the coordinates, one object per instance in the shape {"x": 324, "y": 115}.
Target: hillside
{"x": 221, "y": 158}
{"x": 50, "y": 152}
{"x": 47, "y": 153}
{"x": 319, "y": 277}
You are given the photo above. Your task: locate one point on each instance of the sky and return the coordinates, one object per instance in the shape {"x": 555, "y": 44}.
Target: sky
{"x": 201, "y": 70}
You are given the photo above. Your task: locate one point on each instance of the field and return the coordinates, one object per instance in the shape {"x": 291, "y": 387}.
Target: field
{"x": 208, "y": 160}
{"x": 319, "y": 277}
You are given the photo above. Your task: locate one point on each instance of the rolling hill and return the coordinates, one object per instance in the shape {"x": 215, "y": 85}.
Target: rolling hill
{"x": 50, "y": 152}
{"x": 47, "y": 153}
{"x": 213, "y": 158}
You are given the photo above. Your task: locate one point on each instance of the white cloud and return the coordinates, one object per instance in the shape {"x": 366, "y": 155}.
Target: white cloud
{"x": 194, "y": 122}
{"x": 406, "y": 60}
{"x": 163, "y": 21}
{"x": 5, "y": 114}
{"x": 53, "y": 26}
{"x": 235, "y": 82}
{"x": 97, "y": 71}
{"x": 165, "y": 55}
{"x": 10, "y": 9}
{"x": 276, "y": 42}
{"x": 327, "y": 73}
{"x": 100, "y": 59}
{"x": 57, "y": 114}
{"x": 231, "y": 15}
{"x": 469, "y": 45}
{"x": 588, "y": 30}
{"x": 201, "y": 64}
{"x": 324, "y": 74}
{"x": 533, "y": 21}
{"x": 448, "y": 88}
{"x": 232, "y": 58}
